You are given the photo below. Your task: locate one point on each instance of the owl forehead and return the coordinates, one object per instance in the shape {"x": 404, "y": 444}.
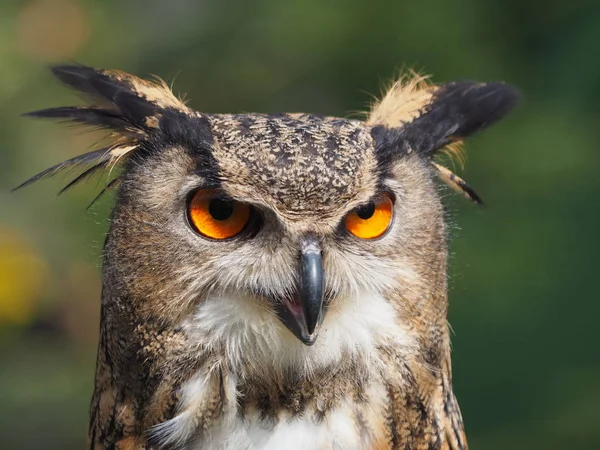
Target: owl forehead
{"x": 298, "y": 163}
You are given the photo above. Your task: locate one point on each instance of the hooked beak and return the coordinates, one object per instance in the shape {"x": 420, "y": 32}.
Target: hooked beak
{"x": 303, "y": 313}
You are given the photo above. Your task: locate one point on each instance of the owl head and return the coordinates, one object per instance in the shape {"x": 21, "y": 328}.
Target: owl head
{"x": 273, "y": 228}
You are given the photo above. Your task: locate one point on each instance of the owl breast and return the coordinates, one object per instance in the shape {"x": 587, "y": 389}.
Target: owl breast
{"x": 344, "y": 427}
{"x": 352, "y": 419}
{"x": 263, "y": 389}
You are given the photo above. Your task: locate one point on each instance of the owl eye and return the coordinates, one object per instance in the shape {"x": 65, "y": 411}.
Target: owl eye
{"x": 217, "y": 217}
{"x": 371, "y": 220}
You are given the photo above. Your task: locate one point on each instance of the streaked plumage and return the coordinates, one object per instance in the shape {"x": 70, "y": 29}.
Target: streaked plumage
{"x": 294, "y": 333}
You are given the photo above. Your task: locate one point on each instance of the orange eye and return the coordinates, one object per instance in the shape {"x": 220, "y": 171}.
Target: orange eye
{"x": 217, "y": 217}
{"x": 371, "y": 220}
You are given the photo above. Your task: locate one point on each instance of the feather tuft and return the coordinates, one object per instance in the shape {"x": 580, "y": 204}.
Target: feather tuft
{"x": 457, "y": 184}
{"x": 455, "y": 152}
{"x": 77, "y": 161}
{"x": 95, "y": 161}
{"x": 403, "y": 101}
{"x": 95, "y": 117}
{"x": 129, "y": 107}
{"x": 112, "y": 184}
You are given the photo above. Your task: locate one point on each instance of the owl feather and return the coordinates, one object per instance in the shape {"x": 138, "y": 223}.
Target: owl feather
{"x": 274, "y": 281}
{"x": 428, "y": 118}
{"x": 129, "y": 107}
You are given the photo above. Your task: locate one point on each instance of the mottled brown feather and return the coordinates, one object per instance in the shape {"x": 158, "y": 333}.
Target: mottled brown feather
{"x": 174, "y": 373}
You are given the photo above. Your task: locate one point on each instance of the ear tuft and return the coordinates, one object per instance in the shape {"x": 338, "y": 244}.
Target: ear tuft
{"x": 137, "y": 103}
{"x": 456, "y": 111}
{"x": 94, "y": 117}
{"x": 92, "y": 162}
{"x": 415, "y": 116}
{"x": 131, "y": 108}
{"x": 423, "y": 117}
{"x": 403, "y": 101}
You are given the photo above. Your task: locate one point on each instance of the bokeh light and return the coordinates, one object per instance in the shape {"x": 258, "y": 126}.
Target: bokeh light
{"x": 52, "y": 30}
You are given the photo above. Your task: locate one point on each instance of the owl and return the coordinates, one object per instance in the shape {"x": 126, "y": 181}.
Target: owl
{"x": 274, "y": 281}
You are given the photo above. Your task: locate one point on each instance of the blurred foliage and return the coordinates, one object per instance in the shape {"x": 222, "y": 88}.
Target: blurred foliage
{"x": 523, "y": 300}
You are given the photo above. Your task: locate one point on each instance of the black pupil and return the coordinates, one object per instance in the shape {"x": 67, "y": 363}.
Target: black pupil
{"x": 366, "y": 211}
{"x": 220, "y": 209}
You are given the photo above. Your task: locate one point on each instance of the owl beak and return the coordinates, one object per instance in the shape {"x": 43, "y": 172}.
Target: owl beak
{"x": 303, "y": 314}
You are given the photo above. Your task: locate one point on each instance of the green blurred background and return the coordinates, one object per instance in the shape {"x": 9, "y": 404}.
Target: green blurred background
{"x": 524, "y": 305}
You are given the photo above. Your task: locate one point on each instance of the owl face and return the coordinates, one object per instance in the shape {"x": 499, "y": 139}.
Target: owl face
{"x": 284, "y": 217}
{"x": 258, "y": 228}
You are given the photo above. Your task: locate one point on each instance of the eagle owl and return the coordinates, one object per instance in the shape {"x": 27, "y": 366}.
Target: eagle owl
{"x": 274, "y": 281}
